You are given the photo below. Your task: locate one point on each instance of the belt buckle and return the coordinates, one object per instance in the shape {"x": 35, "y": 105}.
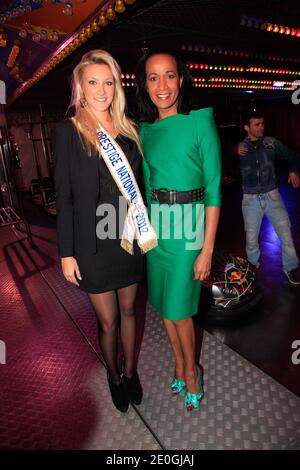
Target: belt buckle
{"x": 173, "y": 199}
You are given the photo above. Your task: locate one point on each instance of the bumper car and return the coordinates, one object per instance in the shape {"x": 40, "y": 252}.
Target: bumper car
{"x": 232, "y": 292}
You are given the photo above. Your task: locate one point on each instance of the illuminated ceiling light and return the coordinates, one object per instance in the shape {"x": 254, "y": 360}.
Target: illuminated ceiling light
{"x": 68, "y": 9}
{"x": 270, "y": 27}
{"x": 102, "y": 19}
{"x": 234, "y": 68}
{"x": 120, "y": 7}
{"x": 110, "y": 13}
{"x": 95, "y": 26}
{"x": 246, "y": 88}
{"x": 14, "y": 52}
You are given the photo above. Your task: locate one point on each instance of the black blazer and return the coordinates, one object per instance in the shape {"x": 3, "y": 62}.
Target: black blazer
{"x": 77, "y": 192}
{"x": 77, "y": 187}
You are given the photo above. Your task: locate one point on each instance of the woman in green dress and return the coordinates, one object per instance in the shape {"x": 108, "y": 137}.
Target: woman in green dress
{"x": 182, "y": 171}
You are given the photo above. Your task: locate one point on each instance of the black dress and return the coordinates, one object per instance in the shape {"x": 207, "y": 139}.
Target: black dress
{"x": 112, "y": 267}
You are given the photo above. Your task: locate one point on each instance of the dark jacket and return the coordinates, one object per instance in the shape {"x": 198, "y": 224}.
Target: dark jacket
{"x": 258, "y": 164}
{"x": 77, "y": 192}
{"x": 81, "y": 182}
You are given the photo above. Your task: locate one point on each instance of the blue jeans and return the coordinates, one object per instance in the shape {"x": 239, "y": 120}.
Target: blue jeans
{"x": 254, "y": 207}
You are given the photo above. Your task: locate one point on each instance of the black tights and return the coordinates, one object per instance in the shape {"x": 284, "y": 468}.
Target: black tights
{"x": 106, "y": 308}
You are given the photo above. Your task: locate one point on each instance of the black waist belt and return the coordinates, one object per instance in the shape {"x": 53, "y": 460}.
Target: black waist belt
{"x": 164, "y": 196}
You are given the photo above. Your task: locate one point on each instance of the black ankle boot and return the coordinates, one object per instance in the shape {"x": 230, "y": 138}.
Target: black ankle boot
{"x": 133, "y": 389}
{"x": 118, "y": 395}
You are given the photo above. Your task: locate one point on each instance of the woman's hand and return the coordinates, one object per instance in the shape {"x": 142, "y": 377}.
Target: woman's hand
{"x": 69, "y": 268}
{"x": 202, "y": 266}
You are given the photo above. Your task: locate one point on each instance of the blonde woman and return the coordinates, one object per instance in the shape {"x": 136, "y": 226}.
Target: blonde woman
{"x": 89, "y": 243}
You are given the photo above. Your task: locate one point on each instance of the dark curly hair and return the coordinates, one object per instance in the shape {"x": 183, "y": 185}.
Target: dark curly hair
{"x": 145, "y": 109}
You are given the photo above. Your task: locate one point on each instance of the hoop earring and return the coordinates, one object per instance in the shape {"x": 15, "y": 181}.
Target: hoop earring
{"x": 83, "y": 102}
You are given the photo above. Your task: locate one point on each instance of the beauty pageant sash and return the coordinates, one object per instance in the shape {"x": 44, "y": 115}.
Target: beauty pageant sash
{"x": 137, "y": 224}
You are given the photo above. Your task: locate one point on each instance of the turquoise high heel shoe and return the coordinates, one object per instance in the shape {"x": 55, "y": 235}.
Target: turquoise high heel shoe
{"x": 192, "y": 400}
{"x": 177, "y": 386}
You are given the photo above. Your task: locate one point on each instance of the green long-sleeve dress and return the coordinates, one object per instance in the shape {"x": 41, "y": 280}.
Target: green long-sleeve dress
{"x": 181, "y": 152}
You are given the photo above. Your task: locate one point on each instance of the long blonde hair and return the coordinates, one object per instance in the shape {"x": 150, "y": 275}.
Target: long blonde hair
{"x": 84, "y": 120}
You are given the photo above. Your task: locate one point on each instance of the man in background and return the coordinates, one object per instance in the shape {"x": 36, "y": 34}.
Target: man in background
{"x": 260, "y": 192}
